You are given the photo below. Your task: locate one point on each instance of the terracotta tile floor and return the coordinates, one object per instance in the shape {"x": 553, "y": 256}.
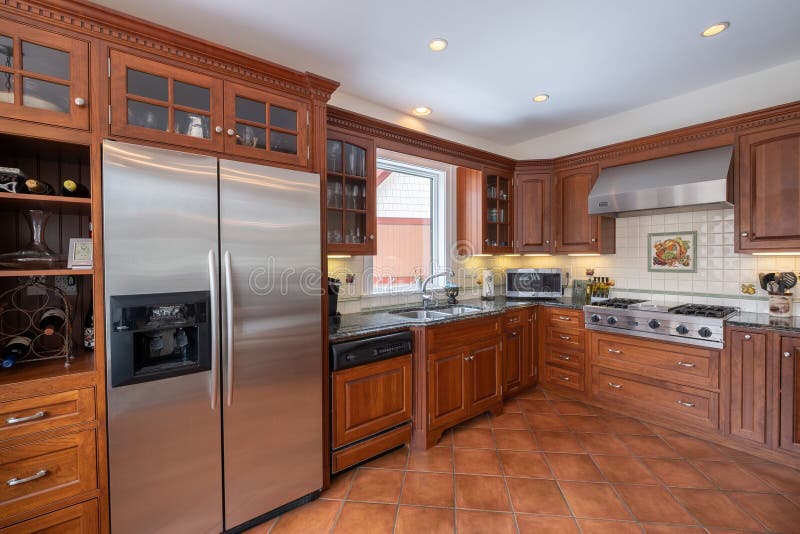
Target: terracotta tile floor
{"x": 553, "y": 466}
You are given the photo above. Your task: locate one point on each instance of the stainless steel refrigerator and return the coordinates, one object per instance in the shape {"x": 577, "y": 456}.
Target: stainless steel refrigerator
{"x": 214, "y": 364}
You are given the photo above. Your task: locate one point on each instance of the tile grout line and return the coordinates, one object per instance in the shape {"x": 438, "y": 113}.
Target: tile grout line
{"x": 402, "y": 486}
{"x": 503, "y": 473}
{"x": 344, "y": 500}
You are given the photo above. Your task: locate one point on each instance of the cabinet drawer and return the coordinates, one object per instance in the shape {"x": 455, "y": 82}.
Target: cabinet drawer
{"x": 514, "y": 318}
{"x": 364, "y": 450}
{"x": 78, "y": 519}
{"x": 563, "y": 377}
{"x": 564, "y": 358}
{"x": 370, "y": 398}
{"x": 564, "y": 318}
{"x": 461, "y": 333}
{"x": 46, "y": 471}
{"x": 681, "y": 403}
{"x": 684, "y": 365}
{"x": 46, "y": 412}
{"x": 565, "y": 338}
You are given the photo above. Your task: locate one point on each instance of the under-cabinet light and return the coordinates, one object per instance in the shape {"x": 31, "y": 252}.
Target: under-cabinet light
{"x": 338, "y": 256}
{"x": 776, "y": 253}
{"x": 537, "y": 255}
{"x": 583, "y": 254}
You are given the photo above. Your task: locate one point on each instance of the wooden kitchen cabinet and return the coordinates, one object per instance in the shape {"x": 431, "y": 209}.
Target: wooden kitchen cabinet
{"x": 264, "y": 125}
{"x": 575, "y": 231}
{"x": 767, "y": 190}
{"x": 158, "y": 102}
{"x": 44, "y": 76}
{"x": 484, "y": 211}
{"x": 789, "y": 438}
{"x": 532, "y": 203}
{"x": 351, "y": 194}
{"x": 531, "y": 354}
{"x": 78, "y": 519}
{"x": 514, "y": 352}
{"x": 484, "y": 376}
{"x": 447, "y": 384}
{"x": 749, "y": 378}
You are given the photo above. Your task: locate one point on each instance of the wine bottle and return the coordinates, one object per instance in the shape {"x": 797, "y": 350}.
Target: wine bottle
{"x": 17, "y": 348}
{"x": 71, "y": 188}
{"x": 88, "y": 330}
{"x": 32, "y": 186}
{"x": 51, "y": 320}
{"x": 11, "y": 179}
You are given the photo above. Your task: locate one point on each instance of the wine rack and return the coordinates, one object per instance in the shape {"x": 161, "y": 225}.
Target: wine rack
{"x": 18, "y": 317}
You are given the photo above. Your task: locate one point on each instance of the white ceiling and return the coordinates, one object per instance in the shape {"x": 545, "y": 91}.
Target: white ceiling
{"x": 595, "y": 58}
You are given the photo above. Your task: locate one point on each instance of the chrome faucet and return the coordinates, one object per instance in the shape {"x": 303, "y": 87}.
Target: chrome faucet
{"x": 428, "y": 297}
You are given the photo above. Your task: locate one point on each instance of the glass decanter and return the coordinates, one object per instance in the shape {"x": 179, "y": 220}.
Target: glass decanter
{"x": 36, "y": 255}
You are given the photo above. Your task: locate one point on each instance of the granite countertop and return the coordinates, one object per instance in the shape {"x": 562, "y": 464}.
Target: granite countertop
{"x": 764, "y": 320}
{"x": 354, "y": 325}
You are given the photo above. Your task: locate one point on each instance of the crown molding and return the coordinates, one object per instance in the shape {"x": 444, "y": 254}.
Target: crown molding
{"x": 116, "y": 27}
{"x": 425, "y": 144}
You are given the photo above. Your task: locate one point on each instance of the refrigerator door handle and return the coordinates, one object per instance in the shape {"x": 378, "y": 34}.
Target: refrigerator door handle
{"x": 229, "y": 325}
{"x": 213, "y": 280}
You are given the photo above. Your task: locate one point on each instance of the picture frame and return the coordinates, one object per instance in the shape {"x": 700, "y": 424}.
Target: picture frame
{"x": 672, "y": 252}
{"x": 81, "y": 253}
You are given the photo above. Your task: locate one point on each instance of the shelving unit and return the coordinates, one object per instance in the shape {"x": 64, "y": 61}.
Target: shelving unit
{"x": 64, "y": 205}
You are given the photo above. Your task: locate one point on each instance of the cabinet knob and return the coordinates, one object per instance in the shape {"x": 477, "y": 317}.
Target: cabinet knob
{"x": 372, "y": 236}
{"x": 80, "y": 102}
{"x": 747, "y": 337}
{"x": 743, "y": 234}
{"x": 486, "y": 240}
{"x": 219, "y": 129}
{"x": 231, "y": 132}
{"x": 594, "y": 240}
{"x": 787, "y": 354}
{"x": 547, "y": 241}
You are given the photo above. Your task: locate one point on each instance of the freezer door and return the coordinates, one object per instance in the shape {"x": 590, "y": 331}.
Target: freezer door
{"x": 272, "y": 361}
{"x": 161, "y": 236}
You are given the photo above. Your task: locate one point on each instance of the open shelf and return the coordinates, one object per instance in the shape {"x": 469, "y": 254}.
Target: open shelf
{"x": 66, "y": 205}
{"x": 44, "y": 272}
{"x": 22, "y": 372}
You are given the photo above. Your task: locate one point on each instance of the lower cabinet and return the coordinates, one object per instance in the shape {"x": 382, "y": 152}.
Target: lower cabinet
{"x": 789, "y": 355}
{"x": 447, "y": 396}
{"x": 483, "y": 376}
{"x": 748, "y": 363}
{"x": 78, "y": 519}
{"x": 515, "y": 349}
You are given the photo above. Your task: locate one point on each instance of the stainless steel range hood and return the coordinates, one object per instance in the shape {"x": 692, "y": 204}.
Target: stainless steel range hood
{"x": 686, "y": 182}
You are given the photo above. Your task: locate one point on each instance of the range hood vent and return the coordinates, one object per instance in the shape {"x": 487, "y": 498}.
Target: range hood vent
{"x": 686, "y": 182}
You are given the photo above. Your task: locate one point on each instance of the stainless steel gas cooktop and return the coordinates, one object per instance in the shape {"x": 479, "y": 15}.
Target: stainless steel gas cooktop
{"x": 695, "y": 324}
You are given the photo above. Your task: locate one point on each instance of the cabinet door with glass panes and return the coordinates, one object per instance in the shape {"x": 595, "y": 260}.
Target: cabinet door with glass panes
{"x": 350, "y": 193}
{"x": 158, "y": 102}
{"x": 261, "y": 124}
{"x": 44, "y": 76}
{"x": 497, "y": 216}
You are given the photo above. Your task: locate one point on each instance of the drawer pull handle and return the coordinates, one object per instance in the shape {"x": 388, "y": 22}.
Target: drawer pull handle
{"x": 565, "y": 357}
{"x": 615, "y": 351}
{"x": 565, "y": 338}
{"x": 15, "y": 420}
{"x": 787, "y": 354}
{"x": 564, "y": 318}
{"x": 684, "y": 364}
{"x": 564, "y": 378}
{"x": 17, "y": 481}
{"x": 687, "y": 404}
{"x": 615, "y": 386}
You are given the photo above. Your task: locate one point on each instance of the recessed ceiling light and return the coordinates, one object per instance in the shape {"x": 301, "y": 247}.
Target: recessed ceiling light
{"x": 421, "y": 111}
{"x": 438, "y": 44}
{"x": 541, "y": 98}
{"x": 715, "y": 29}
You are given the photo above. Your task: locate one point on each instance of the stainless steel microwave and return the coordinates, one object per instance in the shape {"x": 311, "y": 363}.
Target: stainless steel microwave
{"x": 533, "y": 283}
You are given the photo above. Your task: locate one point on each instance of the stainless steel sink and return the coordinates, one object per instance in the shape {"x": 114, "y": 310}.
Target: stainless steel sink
{"x": 459, "y": 310}
{"x": 424, "y": 315}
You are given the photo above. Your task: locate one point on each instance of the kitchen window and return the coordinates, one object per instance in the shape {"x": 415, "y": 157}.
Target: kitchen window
{"x": 414, "y": 227}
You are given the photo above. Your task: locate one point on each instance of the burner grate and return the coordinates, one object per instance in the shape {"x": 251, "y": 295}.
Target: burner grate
{"x": 703, "y": 310}
{"x": 617, "y": 303}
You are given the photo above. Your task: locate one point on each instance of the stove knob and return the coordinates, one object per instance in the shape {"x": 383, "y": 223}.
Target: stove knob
{"x": 611, "y": 320}
{"x": 595, "y": 318}
{"x": 682, "y": 330}
{"x": 653, "y": 324}
{"x": 705, "y": 332}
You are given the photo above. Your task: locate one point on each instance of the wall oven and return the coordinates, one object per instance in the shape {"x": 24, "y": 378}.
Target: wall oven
{"x": 533, "y": 283}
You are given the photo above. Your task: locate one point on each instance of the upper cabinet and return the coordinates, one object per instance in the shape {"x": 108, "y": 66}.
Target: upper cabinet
{"x": 350, "y": 194}
{"x": 157, "y": 102}
{"x": 484, "y": 211}
{"x": 44, "y": 76}
{"x": 533, "y": 215}
{"x": 575, "y": 231}
{"x": 767, "y": 190}
{"x": 154, "y": 101}
{"x": 264, "y": 125}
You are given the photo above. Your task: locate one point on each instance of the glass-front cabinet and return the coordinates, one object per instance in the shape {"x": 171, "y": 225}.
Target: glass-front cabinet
{"x": 350, "y": 194}
{"x": 44, "y": 76}
{"x": 158, "y": 102}
{"x": 497, "y": 216}
{"x": 260, "y": 124}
